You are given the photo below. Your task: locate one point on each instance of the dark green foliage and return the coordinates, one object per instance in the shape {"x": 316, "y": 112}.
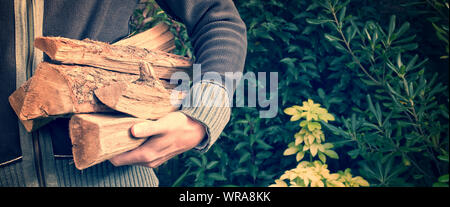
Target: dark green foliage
{"x": 380, "y": 81}
{"x": 405, "y": 127}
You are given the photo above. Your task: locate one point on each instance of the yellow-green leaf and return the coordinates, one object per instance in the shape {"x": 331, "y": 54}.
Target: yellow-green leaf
{"x": 290, "y": 151}
{"x": 322, "y": 157}
{"x": 310, "y": 137}
{"x": 295, "y": 117}
{"x": 321, "y": 147}
{"x": 298, "y": 139}
{"x": 328, "y": 145}
{"x": 306, "y": 147}
{"x": 313, "y": 149}
{"x": 331, "y": 154}
{"x": 326, "y": 117}
{"x": 291, "y": 111}
{"x": 279, "y": 183}
{"x": 360, "y": 181}
{"x": 303, "y": 123}
{"x": 300, "y": 156}
{"x": 313, "y": 126}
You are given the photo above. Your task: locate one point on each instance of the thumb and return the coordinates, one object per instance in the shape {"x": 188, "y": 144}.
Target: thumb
{"x": 147, "y": 128}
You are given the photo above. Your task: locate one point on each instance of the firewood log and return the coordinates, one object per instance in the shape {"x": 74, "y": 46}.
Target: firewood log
{"x": 118, "y": 58}
{"x": 145, "y": 98}
{"x": 35, "y": 115}
{"x": 157, "y": 38}
{"x": 98, "y": 137}
{"x": 65, "y": 89}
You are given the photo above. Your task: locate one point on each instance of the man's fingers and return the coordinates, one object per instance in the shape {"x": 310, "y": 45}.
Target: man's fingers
{"x": 156, "y": 163}
{"x": 148, "y": 128}
{"x": 130, "y": 157}
{"x": 154, "y": 148}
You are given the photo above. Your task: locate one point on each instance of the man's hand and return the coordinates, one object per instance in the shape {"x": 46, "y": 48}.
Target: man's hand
{"x": 171, "y": 135}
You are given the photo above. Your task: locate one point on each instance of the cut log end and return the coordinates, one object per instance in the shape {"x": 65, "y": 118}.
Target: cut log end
{"x": 99, "y": 137}
{"x": 85, "y": 146}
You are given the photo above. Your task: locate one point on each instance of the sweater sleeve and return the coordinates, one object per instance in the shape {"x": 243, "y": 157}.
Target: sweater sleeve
{"x": 208, "y": 103}
{"x": 217, "y": 32}
{"x": 219, "y": 40}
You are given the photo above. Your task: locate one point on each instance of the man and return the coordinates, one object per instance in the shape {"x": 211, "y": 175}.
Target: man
{"x": 44, "y": 158}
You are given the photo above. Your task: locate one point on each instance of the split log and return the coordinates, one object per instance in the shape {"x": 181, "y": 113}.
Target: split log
{"x": 144, "y": 98}
{"x": 98, "y": 137}
{"x": 56, "y": 90}
{"x": 118, "y": 58}
{"x": 16, "y": 101}
{"x": 158, "y": 37}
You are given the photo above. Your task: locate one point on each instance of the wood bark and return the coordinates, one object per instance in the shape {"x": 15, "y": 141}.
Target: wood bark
{"x": 145, "y": 98}
{"x": 57, "y": 90}
{"x": 98, "y": 137}
{"x": 157, "y": 38}
{"x": 118, "y": 58}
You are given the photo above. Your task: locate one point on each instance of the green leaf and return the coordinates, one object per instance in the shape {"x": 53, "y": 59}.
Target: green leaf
{"x": 263, "y": 155}
{"x": 332, "y": 38}
{"x": 263, "y": 144}
{"x": 342, "y": 15}
{"x": 291, "y": 27}
{"x": 353, "y": 153}
{"x": 195, "y": 161}
{"x": 440, "y": 184}
{"x": 331, "y": 154}
{"x": 240, "y": 171}
{"x": 240, "y": 145}
{"x": 244, "y": 157}
{"x": 443, "y": 158}
{"x": 318, "y": 21}
{"x": 391, "y": 27}
{"x": 211, "y": 165}
{"x": 402, "y": 29}
{"x": 443, "y": 179}
{"x": 371, "y": 107}
{"x": 217, "y": 176}
{"x": 289, "y": 62}
{"x": 321, "y": 93}
{"x": 399, "y": 60}
{"x": 180, "y": 179}
{"x": 411, "y": 63}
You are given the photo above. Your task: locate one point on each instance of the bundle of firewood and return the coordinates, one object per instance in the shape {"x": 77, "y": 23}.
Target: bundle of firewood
{"x": 104, "y": 88}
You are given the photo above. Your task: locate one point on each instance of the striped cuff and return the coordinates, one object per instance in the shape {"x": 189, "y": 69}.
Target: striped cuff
{"x": 208, "y": 103}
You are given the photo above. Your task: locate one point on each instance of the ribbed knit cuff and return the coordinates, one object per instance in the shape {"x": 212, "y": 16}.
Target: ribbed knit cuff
{"x": 208, "y": 103}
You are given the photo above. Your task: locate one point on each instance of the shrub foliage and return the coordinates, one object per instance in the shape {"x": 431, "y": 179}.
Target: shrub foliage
{"x": 368, "y": 63}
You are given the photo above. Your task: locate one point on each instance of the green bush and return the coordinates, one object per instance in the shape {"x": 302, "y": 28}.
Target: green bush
{"x": 404, "y": 132}
{"x": 367, "y": 66}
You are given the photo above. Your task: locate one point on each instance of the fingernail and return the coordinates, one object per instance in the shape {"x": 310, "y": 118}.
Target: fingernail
{"x": 136, "y": 130}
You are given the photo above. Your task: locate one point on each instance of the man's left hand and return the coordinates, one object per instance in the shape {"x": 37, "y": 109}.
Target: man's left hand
{"x": 169, "y": 136}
